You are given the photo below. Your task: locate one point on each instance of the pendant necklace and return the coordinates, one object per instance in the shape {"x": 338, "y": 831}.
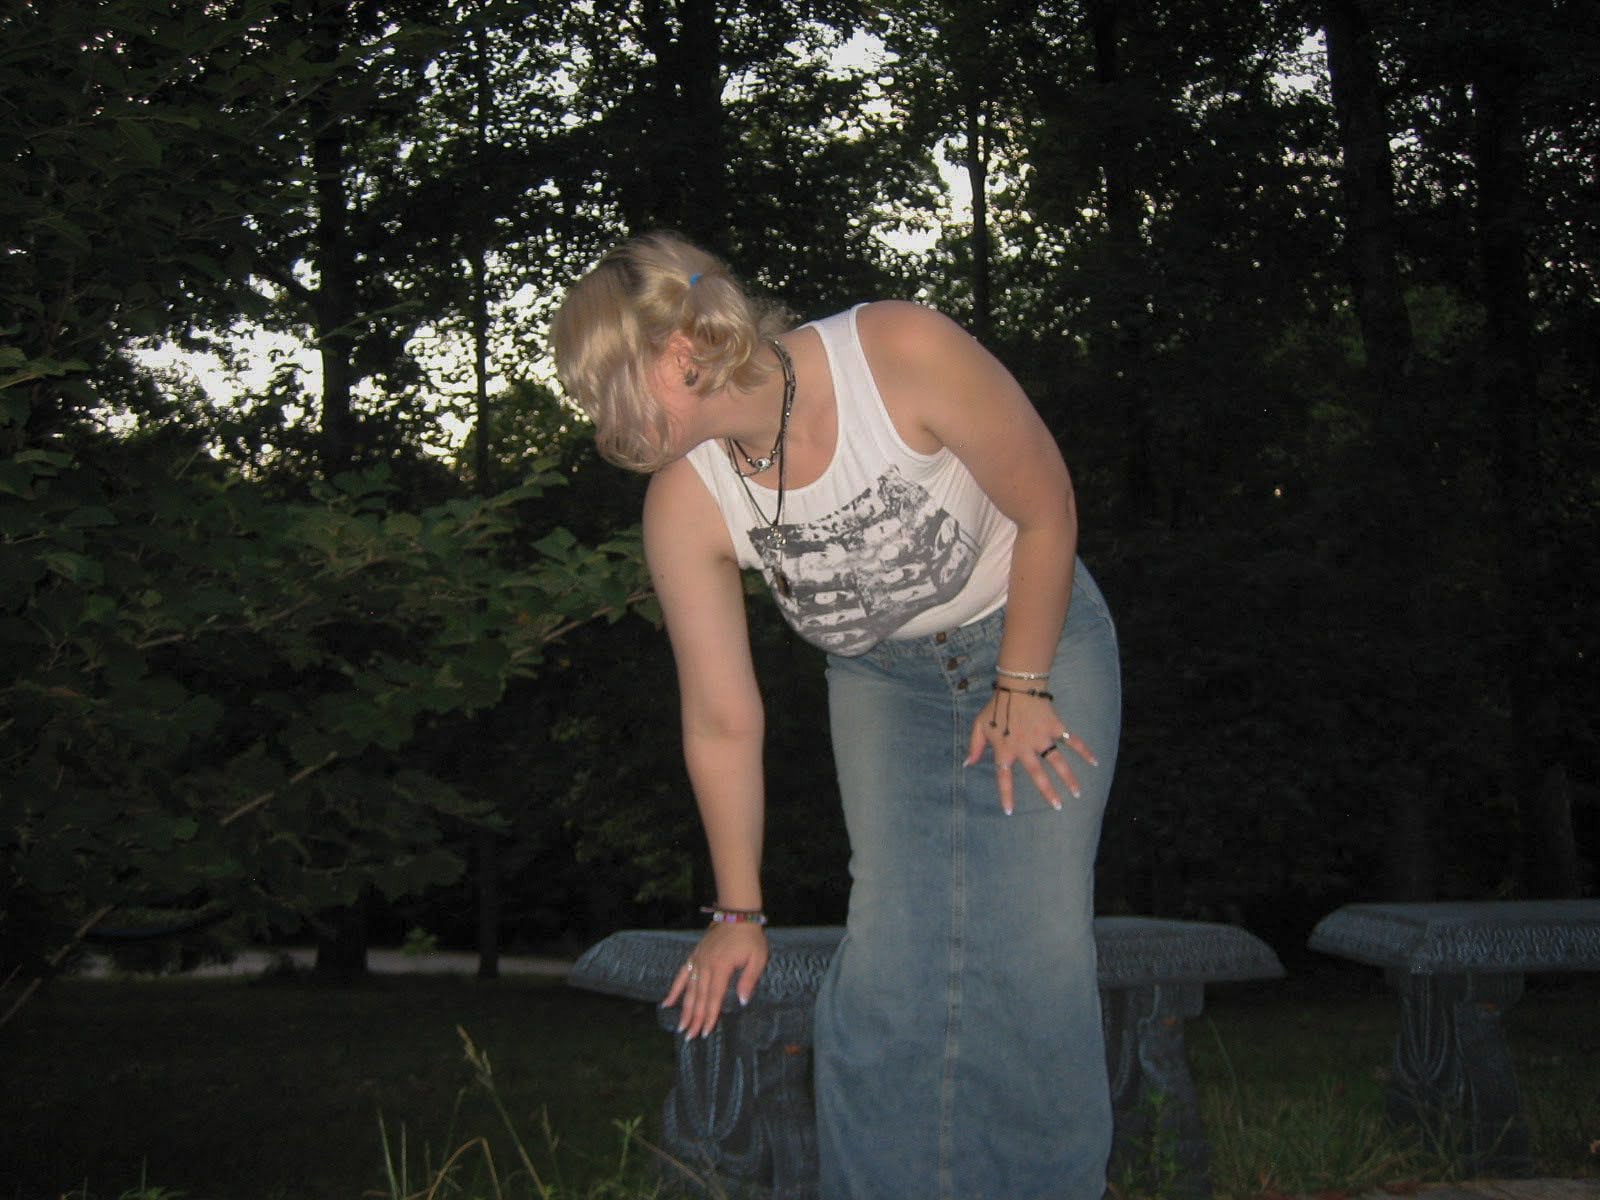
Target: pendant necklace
{"x": 780, "y": 579}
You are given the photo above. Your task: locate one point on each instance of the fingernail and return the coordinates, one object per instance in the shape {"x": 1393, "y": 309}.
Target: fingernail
{"x": 744, "y": 1001}
{"x": 1056, "y": 804}
{"x": 1077, "y": 794}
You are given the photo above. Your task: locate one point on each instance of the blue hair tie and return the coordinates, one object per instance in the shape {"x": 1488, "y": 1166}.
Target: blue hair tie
{"x": 694, "y": 279}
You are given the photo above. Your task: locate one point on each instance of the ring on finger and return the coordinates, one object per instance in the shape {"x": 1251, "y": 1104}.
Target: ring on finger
{"x": 691, "y": 968}
{"x": 1049, "y": 750}
{"x": 1064, "y": 737}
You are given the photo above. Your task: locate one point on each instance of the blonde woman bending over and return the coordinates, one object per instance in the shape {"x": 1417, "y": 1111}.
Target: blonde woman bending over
{"x": 914, "y": 519}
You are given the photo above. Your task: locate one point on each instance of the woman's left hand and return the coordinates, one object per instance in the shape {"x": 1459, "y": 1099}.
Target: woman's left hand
{"x": 1025, "y": 730}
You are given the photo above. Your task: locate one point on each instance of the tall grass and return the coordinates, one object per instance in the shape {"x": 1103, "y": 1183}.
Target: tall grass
{"x": 470, "y": 1173}
{"x": 1292, "y": 1089}
{"x": 223, "y": 1091}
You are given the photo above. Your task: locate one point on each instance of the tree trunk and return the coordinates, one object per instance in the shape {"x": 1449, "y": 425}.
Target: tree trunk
{"x": 702, "y": 176}
{"x": 1367, "y": 189}
{"x": 1124, "y": 301}
{"x": 488, "y": 905}
{"x": 479, "y": 267}
{"x": 976, "y": 162}
{"x": 679, "y": 161}
{"x": 1399, "y": 498}
{"x": 1510, "y": 380}
{"x": 488, "y": 846}
{"x": 342, "y": 941}
{"x": 333, "y": 303}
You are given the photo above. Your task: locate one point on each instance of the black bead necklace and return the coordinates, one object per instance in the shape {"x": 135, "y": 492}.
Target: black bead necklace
{"x": 764, "y": 463}
{"x": 780, "y": 579}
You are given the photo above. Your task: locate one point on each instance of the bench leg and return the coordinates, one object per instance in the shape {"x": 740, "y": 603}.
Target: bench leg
{"x": 740, "y": 1114}
{"x": 1157, "y": 1132}
{"x": 1453, "y": 1075}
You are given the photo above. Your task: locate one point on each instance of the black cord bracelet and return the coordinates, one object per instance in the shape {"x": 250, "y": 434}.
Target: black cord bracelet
{"x": 1011, "y": 691}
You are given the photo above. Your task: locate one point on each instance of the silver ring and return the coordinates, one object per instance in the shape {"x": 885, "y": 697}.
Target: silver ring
{"x": 691, "y": 968}
{"x": 1064, "y": 737}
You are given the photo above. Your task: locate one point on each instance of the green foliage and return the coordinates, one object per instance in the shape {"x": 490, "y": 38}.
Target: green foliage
{"x": 209, "y": 693}
{"x": 383, "y": 182}
{"x": 419, "y": 943}
{"x": 136, "y": 186}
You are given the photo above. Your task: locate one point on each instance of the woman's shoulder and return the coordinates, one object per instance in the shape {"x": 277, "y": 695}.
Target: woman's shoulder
{"x": 676, "y": 486}
{"x": 679, "y": 508}
{"x": 911, "y": 342}
{"x": 905, "y": 330}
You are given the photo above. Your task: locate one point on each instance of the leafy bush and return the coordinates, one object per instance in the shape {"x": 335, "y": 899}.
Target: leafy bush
{"x": 208, "y": 693}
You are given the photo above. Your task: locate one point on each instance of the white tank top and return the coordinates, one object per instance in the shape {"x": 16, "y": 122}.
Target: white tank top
{"x": 887, "y": 543}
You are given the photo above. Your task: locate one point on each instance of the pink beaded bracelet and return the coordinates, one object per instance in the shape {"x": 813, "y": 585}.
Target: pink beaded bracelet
{"x": 735, "y": 916}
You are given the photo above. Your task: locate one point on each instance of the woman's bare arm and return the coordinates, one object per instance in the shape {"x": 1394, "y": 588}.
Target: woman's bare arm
{"x": 702, "y": 599}
{"x": 945, "y": 390}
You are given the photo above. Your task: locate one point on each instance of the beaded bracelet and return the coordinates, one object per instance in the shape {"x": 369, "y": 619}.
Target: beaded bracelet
{"x": 1028, "y": 675}
{"x": 1039, "y": 692}
{"x": 734, "y": 916}
{"x": 994, "y": 716}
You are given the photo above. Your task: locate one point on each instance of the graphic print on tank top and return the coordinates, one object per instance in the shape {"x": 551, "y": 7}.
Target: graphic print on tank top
{"x": 867, "y": 568}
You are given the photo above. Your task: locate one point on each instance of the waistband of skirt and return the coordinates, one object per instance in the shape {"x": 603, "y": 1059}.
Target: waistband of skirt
{"x": 931, "y": 647}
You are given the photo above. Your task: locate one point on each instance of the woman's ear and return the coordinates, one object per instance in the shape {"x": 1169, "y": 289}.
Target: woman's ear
{"x": 680, "y": 356}
{"x": 680, "y": 350}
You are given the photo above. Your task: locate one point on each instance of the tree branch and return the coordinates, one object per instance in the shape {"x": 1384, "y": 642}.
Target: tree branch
{"x": 299, "y": 776}
{"x": 55, "y": 960}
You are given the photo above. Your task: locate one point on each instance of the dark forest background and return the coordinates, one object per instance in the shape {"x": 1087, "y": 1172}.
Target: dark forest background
{"x": 1307, "y": 293}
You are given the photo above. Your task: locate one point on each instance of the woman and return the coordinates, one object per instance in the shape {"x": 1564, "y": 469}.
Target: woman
{"x": 914, "y": 518}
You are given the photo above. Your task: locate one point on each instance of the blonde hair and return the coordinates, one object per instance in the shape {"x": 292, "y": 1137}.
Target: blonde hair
{"x": 615, "y": 322}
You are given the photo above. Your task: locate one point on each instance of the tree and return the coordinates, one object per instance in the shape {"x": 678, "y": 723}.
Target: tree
{"x": 131, "y": 210}
{"x": 209, "y": 693}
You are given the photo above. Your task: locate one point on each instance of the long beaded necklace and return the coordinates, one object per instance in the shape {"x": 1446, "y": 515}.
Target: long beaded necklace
{"x": 780, "y": 580}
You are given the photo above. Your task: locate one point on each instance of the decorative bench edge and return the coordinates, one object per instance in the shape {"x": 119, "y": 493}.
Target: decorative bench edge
{"x": 640, "y": 963}
{"x": 1139, "y": 951}
{"x": 1444, "y": 938}
{"x": 1133, "y": 951}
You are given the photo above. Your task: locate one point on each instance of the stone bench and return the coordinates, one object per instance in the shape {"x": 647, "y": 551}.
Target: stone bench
{"x": 741, "y": 1111}
{"x": 1458, "y": 967}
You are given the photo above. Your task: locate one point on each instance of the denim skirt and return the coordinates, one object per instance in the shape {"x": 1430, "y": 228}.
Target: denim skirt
{"x": 959, "y": 1052}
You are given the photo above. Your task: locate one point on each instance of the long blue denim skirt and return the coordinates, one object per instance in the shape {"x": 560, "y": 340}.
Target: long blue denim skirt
{"x": 959, "y": 1052}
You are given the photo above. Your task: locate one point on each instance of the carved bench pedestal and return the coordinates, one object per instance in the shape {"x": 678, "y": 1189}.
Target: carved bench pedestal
{"x": 741, "y": 1109}
{"x": 1458, "y": 967}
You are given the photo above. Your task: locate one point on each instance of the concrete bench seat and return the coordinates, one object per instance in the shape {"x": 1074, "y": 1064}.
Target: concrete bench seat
{"x": 741, "y": 1107}
{"x": 1458, "y": 966}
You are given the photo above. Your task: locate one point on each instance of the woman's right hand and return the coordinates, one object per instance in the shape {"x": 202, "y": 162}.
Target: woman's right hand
{"x": 724, "y": 951}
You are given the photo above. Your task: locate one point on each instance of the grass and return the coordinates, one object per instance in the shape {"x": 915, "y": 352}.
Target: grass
{"x": 1292, "y": 1078}
{"x": 222, "y": 1090}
